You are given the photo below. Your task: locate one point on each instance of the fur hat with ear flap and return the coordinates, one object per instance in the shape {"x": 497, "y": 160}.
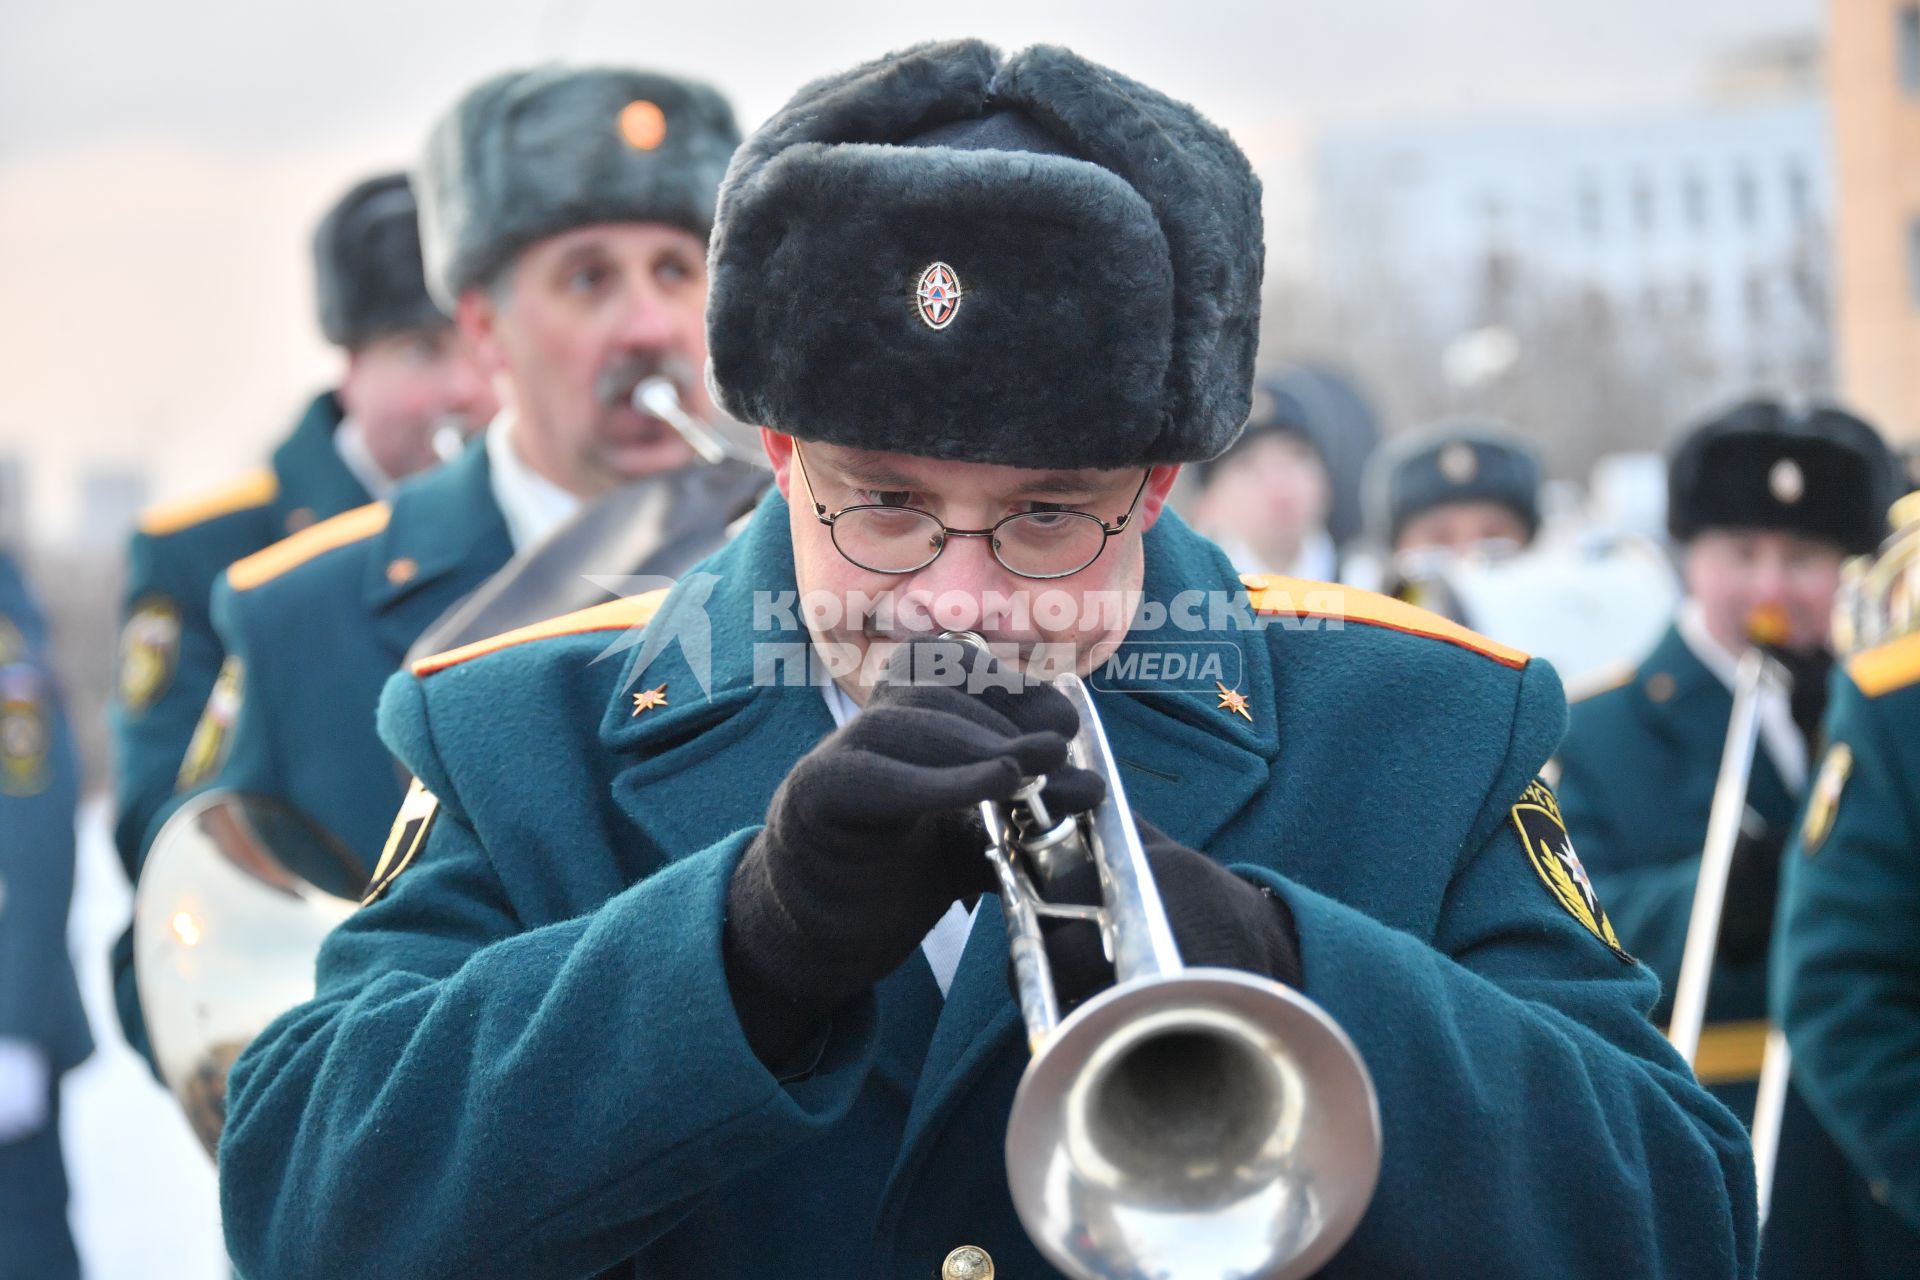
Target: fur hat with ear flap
{"x": 1026, "y": 260}
{"x": 1761, "y": 465}
{"x": 530, "y": 154}
{"x": 366, "y": 265}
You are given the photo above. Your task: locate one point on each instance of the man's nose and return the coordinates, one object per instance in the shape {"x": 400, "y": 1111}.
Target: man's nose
{"x": 645, "y": 323}
{"x": 1768, "y": 582}
{"x": 955, "y": 588}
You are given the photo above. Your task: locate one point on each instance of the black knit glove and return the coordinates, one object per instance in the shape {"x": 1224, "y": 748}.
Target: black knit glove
{"x": 874, "y": 834}
{"x": 1753, "y": 886}
{"x": 1218, "y": 919}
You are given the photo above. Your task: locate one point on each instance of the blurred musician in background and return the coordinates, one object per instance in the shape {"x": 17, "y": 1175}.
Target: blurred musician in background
{"x": 1764, "y": 504}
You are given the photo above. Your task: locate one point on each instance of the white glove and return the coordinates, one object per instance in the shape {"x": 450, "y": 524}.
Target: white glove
{"x": 25, "y": 1097}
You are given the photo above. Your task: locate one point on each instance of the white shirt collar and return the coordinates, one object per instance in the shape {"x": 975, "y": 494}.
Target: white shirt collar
{"x": 1780, "y": 736}
{"x": 533, "y": 505}
{"x": 350, "y": 442}
{"x": 947, "y": 940}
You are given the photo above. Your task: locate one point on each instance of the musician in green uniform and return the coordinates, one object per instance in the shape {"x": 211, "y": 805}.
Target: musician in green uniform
{"x": 406, "y": 377}
{"x": 683, "y": 958}
{"x": 1764, "y": 503}
{"x": 1847, "y": 955}
{"x": 43, "y": 1027}
{"x": 567, "y": 263}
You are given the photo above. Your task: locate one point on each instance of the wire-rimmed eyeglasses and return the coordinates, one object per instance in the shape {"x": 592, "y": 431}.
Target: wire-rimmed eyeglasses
{"x": 1029, "y": 544}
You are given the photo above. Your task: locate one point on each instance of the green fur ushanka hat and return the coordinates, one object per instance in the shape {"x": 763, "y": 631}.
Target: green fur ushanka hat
{"x": 366, "y": 265}
{"x": 1030, "y": 261}
{"x": 530, "y": 154}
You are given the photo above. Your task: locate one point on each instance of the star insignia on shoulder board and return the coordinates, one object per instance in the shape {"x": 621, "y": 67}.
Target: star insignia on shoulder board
{"x": 648, "y": 699}
{"x": 1233, "y": 700}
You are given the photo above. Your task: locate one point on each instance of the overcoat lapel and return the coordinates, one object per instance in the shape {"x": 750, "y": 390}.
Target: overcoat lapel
{"x": 445, "y": 537}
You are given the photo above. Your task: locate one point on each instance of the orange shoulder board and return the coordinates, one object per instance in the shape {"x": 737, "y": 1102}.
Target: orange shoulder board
{"x": 1277, "y": 596}
{"x": 1893, "y": 665}
{"x": 614, "y": 615}
{"x": 255, "y": 489}
{"x": 289, "y": 554}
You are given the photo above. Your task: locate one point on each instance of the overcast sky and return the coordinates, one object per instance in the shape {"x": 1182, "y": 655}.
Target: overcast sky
{"x": 266, "y": 74}
{"x": 162, "y": 162}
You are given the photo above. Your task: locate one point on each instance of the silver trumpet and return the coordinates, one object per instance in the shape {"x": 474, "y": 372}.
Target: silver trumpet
{"x": 1184, "y": 1122}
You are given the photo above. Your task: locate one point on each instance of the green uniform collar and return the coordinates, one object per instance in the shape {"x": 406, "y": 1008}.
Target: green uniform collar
{"x": 313, "y": 478}
{"x": 445, "y": 535}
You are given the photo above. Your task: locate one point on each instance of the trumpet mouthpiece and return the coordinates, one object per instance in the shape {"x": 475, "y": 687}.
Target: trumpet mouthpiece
{"x": 1767, "y": 625}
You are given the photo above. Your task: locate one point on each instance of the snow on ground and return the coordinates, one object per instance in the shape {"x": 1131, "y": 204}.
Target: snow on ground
{"x": 144, "y": 1203}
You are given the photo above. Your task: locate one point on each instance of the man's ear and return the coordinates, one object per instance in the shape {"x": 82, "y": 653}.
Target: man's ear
{"x": 1154, "y": 497}
{"x": 779, "y": 447}
{"x": 477, "y": 315}
{"x": 348, "y": 390}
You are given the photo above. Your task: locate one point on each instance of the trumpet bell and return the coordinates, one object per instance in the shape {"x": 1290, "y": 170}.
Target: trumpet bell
{"x": 1209, "y": 1124}
{"x": 236, "y": 896}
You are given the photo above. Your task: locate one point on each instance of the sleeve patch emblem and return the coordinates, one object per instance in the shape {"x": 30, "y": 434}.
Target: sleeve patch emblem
{"x": 207, "y": 749}
{"x": 1823, "y": 801}
{"x": 26, "y": 730}
{"x": 149, "y": 652}
{"x": 1550, "y": 849}
{"x": 404, "y": 841}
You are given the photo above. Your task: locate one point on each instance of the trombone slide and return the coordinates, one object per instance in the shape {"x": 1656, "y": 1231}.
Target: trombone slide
{"x": 1755, "y": 673}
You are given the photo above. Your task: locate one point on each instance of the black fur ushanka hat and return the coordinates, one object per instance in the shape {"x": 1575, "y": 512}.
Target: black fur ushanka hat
{"x": 366, "y": 265}
{"x": 1030, "y": 261}
{"x": 1760, "y": 465}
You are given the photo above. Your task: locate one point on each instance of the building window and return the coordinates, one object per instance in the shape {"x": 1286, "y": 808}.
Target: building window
{"x": 1757, "y": 299}
{"x": 1591, "y": 222}
{"x": 1693, "y": 195}
{"x": 1643, "y": 204}
{"x": 1909, "y": 45}
{"x": 1799, "y": 194}
{"x": 1913, "y": 262}
{"x": 1699, "y": 298}
{"x": 1746, "y": 196}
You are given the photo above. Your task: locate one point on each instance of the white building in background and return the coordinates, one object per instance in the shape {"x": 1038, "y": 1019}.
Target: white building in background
{"x": 1713, "y": 221}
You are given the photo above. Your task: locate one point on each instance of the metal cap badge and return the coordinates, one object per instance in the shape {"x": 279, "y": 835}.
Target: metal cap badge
{"x": 938, "y": 295}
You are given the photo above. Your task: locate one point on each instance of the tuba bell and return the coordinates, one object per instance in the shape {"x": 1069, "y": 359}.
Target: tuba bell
{"x": 1190, "y": 1122}
{"x": 236, "y": 896}
{"x": 1879, "y": 597}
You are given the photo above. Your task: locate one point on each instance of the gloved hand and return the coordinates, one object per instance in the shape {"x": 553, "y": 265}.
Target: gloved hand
{"x": 1219, "y": 920}
{"x": 1812, "y": 671}
{"x": 1753, "y": 886}
{"x": 874, "y": 834}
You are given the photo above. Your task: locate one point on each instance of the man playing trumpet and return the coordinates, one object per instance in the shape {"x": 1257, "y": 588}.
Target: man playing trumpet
{"x": 564, "y": 214}
{"x": 675, "y": 964}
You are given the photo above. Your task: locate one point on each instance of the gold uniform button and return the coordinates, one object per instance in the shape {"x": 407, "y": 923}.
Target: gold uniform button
{"x": 401, "y": 571}
{"x": 1660, "y": 686}
{"x": 299, "y": 518}
{"x": 968, "y": 1262}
